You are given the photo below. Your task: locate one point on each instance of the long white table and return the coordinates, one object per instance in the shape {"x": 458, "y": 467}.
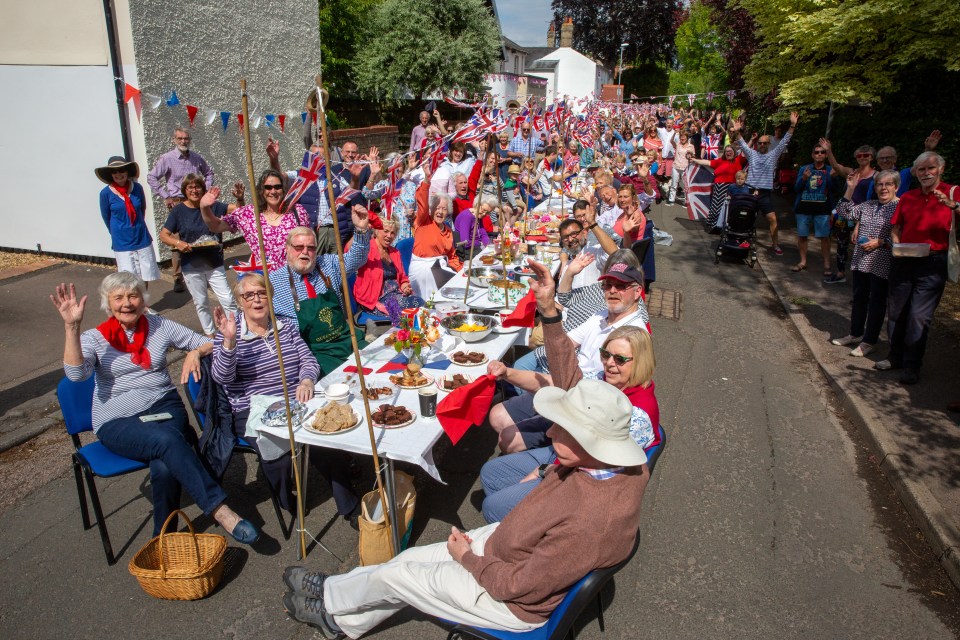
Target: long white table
{"x": 477, "y": 297}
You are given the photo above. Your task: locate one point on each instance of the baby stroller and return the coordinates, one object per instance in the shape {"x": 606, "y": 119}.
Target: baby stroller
{"x": 738, "y": 239}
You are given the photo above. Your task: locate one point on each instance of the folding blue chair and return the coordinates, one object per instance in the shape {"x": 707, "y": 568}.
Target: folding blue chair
{"x": 564, "y": 617}
{"x": 654, "y": 454}
{"x": 94, "y": 459}
{"x": 405, "y": 247}
{"x": 240, "y": 444}
{"x": 360, "y": 317}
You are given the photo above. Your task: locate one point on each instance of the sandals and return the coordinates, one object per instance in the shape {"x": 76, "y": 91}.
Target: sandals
{"x": 798, "y": 267}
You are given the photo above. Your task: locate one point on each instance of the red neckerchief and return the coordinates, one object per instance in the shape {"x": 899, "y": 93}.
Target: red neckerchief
{"x": 311, "y": 290}
{"x": 113, "y": 333}
{"x": 125, "y": 194}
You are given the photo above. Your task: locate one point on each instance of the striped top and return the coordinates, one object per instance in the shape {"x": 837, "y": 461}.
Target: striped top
{"x": 123, "y": 389}
{"x": 251, "y": 367}
{"x": 763, "y": 165}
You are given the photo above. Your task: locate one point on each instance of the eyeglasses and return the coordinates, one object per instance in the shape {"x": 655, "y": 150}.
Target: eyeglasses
{"x": 864, "y": 155}
{"x": 819, "y": 152}
{"x": 273, "y": 187}
{"x": 616, "y": 284}
{"x": 571, "y": 235}
{"x": 250, "y": 296}
{"x": 182, "y": 138}
{"x": 617, "y": 358}
{"x": 885, "y": 185}
{"x": 300, "y": 248}
{"x": 885, "y": 158}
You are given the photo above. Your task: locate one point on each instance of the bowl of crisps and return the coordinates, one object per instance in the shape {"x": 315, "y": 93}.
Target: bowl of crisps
{"x": 469, "y": 327}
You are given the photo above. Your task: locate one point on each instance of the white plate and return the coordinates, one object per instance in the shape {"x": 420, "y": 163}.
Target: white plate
{"x": 502, "y": 329}
{"x": 427, "y": 383}
{"x": 308, "y": 424}
{"x": 470, "y": 364}
{"x": 413, "y": 418}
{"x": 442, "y": 379}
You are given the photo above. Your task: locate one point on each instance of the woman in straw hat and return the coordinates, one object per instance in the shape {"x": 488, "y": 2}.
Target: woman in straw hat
{"x": 122, "y": 208}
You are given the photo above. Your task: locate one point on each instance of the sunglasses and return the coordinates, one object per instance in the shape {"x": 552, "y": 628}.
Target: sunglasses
{"x": 617, "y": 358}
{"x": 250, "y": 296}
{"x": 273, "y": 187}
{"x": 818, "y": 152}
{"x": 300, "y": 248}
{"x": 616, "y": 284}
{"x": 864, "y": 155}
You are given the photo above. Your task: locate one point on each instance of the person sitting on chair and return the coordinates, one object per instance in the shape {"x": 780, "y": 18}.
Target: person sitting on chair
{"x": 509, "y": 575}
{"x": 383, "y": 277}
{"x": 137, "y": 412}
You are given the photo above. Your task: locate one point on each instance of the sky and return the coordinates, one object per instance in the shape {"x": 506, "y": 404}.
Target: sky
{"x": 525, "y": 21}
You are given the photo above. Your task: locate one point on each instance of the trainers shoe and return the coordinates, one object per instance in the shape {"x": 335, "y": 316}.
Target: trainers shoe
{"x": 910, "y": 376}
{"x": 862, "y": 349}
{"x": 310, "y": 611}
{"x": 303, "y": 582}
{"x": 883, "y": 365}
{"x": 835, "y": 279}
{"x": 844, "y": 341}
{"x": 179, "y": 286}
{"x": 778, "y": 251}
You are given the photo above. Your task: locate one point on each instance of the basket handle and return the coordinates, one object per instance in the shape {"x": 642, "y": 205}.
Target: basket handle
{"x": 163, "y": 532}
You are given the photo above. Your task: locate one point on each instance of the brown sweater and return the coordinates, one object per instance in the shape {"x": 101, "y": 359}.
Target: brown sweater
{"x": 568, "y": 526}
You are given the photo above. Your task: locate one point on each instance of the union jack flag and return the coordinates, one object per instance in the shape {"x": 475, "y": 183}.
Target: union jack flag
{"x": 463, "y": 105}
{"x": 346, "y": 194}
{"x": 711, "y": 145}
{"x": 306, "y": 176}
{"x": 697, "y": 184}
{"x": 392, "y": 191}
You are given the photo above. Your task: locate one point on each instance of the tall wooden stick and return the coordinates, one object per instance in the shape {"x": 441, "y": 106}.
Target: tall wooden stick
{"x": 273, "y": 318}
{"x": 388, "y": 510}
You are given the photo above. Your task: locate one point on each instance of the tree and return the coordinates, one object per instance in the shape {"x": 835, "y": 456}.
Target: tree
{"x": 816, "y": 51}
{"x": 700, "y": 66}
{"x": 424, "y": 46}
{"x": 738, "y": 39}
{"x": 601, "y": 26}
{"x": 340, "y": 33}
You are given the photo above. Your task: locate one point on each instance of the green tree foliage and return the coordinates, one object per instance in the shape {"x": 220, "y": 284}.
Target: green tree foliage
{"x": 340, "y": 35}
{"x": 421, "y": 46}
{"x": 700, "y": 66}
{"x": 737, "y": 37}
{"x": 815, "y": 51}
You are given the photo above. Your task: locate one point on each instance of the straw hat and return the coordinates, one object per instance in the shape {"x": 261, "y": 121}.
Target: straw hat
{"x": 597, "y": 415}
{"x": 116, "y": 163}
{"x": 514, "y": 170}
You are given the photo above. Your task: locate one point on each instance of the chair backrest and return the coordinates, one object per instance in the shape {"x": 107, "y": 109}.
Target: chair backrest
{"x": 653, "y": 454}
{"x": 405, "y": 247}
{"x": 76, "y": 404}
{"x": 582, "y": 593}
{"x": 354, "y": 308}
{"x": 640, "y": 249}
{"x": 193, "y": 390}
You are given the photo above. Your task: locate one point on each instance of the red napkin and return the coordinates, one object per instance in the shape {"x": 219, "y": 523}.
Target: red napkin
{"x": 353, "y": 369}
{"x": 466, "y": 407}
{"x": 524, "y": 314}
{"x": 537, "y": 238}
{"x": 392, "y": 366}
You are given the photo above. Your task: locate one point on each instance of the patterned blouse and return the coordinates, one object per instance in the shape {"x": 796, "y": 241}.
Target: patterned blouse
{"x": 874, "y": 219}
{"x": 274, "y": 237}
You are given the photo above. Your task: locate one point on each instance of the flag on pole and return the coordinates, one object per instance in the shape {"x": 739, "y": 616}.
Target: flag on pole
{"x": 306, "y": 176}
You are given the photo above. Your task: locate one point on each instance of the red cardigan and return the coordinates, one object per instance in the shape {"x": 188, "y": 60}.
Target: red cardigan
{"x": 369, "y": 283}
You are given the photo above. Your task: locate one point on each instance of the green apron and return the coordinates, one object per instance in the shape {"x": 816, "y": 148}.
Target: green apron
{"x": 324, "y": 327}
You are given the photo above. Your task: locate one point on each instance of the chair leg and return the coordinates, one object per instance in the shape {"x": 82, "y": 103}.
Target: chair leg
{"x": 101, "y": 522}
{"x": 600, "y": 610}
{"x": 81, "y": 495}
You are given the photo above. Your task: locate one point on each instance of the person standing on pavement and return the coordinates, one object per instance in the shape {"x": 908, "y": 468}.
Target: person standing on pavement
{"x": 870, "y": 267}
{"x": 171, "y": 168}
{"x": 665, "y": 170}
{"x": 812, "y": 208}
{"x": 123, "y": 209}
{"x": 763, "y": 166}
{"x": 923, "y": 215}
{"x": 419, "y": 132}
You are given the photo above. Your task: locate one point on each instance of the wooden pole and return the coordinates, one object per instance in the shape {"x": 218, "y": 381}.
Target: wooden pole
{"x": 388, "y": 510}
{"x": 273, "y": 318}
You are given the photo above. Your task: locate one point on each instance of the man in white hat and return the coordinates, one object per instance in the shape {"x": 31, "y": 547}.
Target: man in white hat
{"x": 509, "y": 575}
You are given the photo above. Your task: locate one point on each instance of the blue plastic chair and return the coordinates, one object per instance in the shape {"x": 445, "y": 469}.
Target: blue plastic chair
{"x": 405, "y": 247}
{"x": 94, "y": 459}
{"x": 562, "y": 620}
{"x": 654, "y": 454}
{"x": 192, "y": 389}
{"x": 360, "y": 316}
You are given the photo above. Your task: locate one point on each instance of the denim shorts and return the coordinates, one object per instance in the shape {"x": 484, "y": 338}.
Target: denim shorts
{"x": 820, "y": 223}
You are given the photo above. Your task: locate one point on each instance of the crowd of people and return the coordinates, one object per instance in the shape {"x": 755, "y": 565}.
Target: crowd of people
{"x": 578, "y": 420}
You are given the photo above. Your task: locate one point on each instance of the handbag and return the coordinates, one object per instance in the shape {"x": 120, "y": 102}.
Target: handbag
{"x": 374, "y": 532}
{"x": 953, "y": 251}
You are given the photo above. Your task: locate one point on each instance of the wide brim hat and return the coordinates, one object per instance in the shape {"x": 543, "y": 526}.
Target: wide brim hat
{"x": 105, "y": 173}
{"x": 597, "y": 415}
{"x": 514, "y": 169}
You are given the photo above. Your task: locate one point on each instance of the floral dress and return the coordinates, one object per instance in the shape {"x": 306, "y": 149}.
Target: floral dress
{"x": 242, "y": 220}
{"x": 391, "y": 290}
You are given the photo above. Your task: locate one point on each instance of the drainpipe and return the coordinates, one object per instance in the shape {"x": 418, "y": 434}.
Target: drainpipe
{"x": 119, "y": 87}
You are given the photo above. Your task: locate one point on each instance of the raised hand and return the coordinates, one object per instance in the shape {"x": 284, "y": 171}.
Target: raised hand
{"x": 361, "y": 218}
{"x": 930, "y": 144}
{"x": 237, "y": 190}
{"x": 273, "y": 149}
{"x": 823, "y": 142}
{"x": 211, "y": 196}
{"x": 543, "y": 287}
{"x": 65, "y": 300}
{"x": 852, "y": 179}
{"x": 226, "y": 325}
{"x": 794, "y": 118}
{"x": 581, "y": 262}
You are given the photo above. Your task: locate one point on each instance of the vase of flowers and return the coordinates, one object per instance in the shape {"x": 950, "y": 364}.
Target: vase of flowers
{"x": 412, "y": 343}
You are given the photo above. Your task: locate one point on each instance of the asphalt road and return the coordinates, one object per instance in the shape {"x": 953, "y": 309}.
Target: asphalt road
{"x": 765, "y": 518}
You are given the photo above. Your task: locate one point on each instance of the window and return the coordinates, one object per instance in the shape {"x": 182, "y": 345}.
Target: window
{"x": 516, "y": 65}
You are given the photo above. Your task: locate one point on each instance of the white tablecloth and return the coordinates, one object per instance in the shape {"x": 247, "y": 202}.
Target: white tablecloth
{"x": 477, "y": 298}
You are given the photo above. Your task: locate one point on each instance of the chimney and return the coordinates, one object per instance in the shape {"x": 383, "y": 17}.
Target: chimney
{"x": 566, "y": 33}
{"x": 551, "y": 36}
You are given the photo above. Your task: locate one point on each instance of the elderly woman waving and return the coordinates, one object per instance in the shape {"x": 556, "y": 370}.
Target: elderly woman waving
{"x": 137, "y": 412}
{"x": 433, "y": 247}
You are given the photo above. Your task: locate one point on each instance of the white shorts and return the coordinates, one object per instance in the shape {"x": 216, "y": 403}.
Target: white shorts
{"x": 142, "y": 263}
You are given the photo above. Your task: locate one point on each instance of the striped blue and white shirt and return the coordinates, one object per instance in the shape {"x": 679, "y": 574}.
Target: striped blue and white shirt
{"x": 283, "y": 303}
{"x": 123, "y": 389}
{"x": 763, "y": 165}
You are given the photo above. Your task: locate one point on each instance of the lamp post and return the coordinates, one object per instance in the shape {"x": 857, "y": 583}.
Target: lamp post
{"x": 620, "y": 73}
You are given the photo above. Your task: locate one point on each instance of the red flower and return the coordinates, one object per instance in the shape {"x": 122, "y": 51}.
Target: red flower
{"x": 403, "y": 335}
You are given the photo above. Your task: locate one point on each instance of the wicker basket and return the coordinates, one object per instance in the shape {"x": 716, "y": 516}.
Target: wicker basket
{"x": 180, "y": 566}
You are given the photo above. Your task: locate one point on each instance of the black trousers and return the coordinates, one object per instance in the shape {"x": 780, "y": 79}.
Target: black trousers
{"x": 869, "y": 306}
{"x": 916, "y": 285}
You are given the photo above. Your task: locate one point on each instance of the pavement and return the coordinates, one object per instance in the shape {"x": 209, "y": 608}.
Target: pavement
{"x": 771, "y": 513}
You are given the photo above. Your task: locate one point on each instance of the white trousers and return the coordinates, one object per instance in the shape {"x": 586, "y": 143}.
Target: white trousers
{"x": 421, "y": 274}
{"x": 675, "y": 177}
{"x": 197, "y": 282}
{"x": 142, "y": 263}
{"x": 426, "y": 578}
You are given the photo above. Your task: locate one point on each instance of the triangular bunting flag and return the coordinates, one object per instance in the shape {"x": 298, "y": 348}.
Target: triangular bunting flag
{"x": 240, "y": 120}
{"x": 225, "y": 119}
{"x": 270, "y": 118}
{"x": 303, "y": 117}
{"x": 256, "y": 122}
{"x": 129, "y": 91}
{"x": 211, "y": 116}
{"x": 281, "y": 119}
{"x": 154, "y": 100}
{"x": 191, "y": 113}
{"x": 691, "y": 97}
{"x": 173, "y": 100}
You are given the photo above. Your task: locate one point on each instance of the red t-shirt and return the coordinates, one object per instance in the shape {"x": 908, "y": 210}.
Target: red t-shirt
{"x": 923, "y": 218}
{"x": 726, "y": 170}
